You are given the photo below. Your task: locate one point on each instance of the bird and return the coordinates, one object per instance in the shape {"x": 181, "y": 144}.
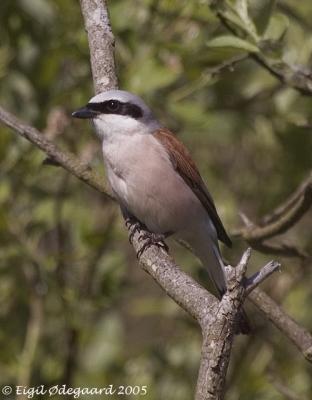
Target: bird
{"x": 155, "y": 180}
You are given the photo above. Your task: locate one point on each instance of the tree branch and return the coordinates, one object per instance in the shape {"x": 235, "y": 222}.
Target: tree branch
{"x": 283, "y": 223}
{"x": 260, "y": 276}
{"x": 63, "y": 158}
{"x": 101, "y": 43}
{"x": 279, "y": 221}
{"x": 301, "y": 338}
{"x": 296, "y": 77}
{"x": 218, "y": 331}
{"x": 305, "y": 185}
{"x": 279, "y": 249}
{"x": 183, "y": 289}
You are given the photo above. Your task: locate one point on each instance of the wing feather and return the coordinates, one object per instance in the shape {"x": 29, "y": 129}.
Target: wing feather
{"x": 185, "y": 166}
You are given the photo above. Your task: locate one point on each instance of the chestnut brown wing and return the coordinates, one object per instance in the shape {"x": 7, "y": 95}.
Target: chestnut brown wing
{"x": 185, "y": 166}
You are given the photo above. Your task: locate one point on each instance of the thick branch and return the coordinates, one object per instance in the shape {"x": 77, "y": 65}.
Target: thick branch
{"x": 183, "y": 289}
{"x": 101, "y": 44}
{"x": 218, "y": 335}
{"x": 219, "y": 330}
{"x": 63, "y": 158}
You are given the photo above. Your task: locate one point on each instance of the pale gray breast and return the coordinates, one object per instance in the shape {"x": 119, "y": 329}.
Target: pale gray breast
{"x": 142, "y": 176}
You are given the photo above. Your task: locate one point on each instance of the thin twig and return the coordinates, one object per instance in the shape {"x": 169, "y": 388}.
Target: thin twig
{"x": 297, "y": 334}
{"x": 296, "y": 77}
{"x": 255, "y": 280}
{"x": 279, "y": 249}
{"x": 283, "y": 223}
{"x": 290, "y": 202}
{"x": 278, "y": 222}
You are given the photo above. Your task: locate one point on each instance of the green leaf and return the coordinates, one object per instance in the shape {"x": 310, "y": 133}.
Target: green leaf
{"x": 265, "y": 10}
{"x": 233, "y": 42}
{"x": 40, "y": 10}
{"x": 150, "y": 70}
{"x": 242, "y": 10}
{"x": 277, "y": 27}
{"x": 241, "y": 7}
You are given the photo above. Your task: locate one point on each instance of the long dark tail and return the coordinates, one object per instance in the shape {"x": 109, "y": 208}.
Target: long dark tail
{"x": 243, "y": 326}
{"x": 209, "y": 254}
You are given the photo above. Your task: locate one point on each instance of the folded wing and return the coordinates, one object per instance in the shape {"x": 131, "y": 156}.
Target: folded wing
{"x": 185, "y": 166}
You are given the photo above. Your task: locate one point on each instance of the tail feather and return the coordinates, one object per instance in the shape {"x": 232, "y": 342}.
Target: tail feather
{"x": 211, "y": 258}
{"x": 243, "y": 326}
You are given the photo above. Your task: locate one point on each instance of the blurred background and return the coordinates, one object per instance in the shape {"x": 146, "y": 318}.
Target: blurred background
{"x": 75, "y": 307}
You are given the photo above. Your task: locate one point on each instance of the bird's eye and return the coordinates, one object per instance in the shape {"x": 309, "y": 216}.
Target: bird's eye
{"x": 112, "y": 105}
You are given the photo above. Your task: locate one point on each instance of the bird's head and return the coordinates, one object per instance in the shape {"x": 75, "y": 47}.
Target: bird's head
{"x": 117, "y": 112}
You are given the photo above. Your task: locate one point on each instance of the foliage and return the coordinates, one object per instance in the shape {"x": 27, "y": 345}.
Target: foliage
{"x": 75, "y": 308}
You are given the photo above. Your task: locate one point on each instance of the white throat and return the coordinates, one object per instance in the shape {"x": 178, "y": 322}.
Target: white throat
{"x": 111, "y": 127}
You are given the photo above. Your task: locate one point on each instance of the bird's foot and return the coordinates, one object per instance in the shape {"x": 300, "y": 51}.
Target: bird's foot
{"x": 134, "y": 227}
{"x": 152, "y": 239}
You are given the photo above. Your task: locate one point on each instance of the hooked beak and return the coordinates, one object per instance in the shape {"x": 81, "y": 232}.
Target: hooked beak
{"x": 84, "y": 113}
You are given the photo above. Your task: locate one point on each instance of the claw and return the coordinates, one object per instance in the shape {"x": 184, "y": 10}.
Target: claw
{"x": 150, "y": 240}
{"x": 129, "y": 221}
{"x": 135, "y": 227}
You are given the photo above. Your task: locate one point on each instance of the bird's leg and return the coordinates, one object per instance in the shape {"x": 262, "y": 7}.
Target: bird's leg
{"x": 153, "y": 239}
{"x": 136, "y": 226}
{"x": 131, "y": 223}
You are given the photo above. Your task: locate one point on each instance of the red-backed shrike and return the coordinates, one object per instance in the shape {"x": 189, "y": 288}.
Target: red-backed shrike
{"x": 155, "y": 179}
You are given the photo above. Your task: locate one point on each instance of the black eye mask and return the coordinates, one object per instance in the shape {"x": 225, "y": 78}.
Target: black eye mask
{"x": 116, "y": 107}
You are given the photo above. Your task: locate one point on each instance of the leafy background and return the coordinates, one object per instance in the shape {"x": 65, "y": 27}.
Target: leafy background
{"x": 74, "y": 306}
